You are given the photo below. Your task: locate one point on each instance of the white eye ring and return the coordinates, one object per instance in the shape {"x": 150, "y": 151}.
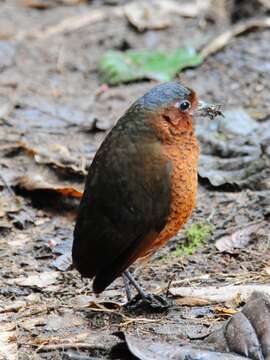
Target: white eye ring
{"x": 184, "y": 105}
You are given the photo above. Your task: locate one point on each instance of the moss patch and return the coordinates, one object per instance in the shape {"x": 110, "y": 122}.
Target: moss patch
{"x": 196, "y": 235}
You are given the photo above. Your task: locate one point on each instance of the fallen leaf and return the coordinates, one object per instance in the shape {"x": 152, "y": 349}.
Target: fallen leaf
{"x": 57, "y": 155}
{"x": 63, "y": 262}
{"x": 37, "y": 112}
{"x": 39, "y": 4}
{"x": 8, "y": 342}
{"x": 117, "y": 67}
{"x": 63, "y": 321}
{"x": 238, "y": 122}
{"x": 82, "y": 300}
{"x": 246, "y": 335}
{"x": 156, "y": 14}
{"x": 19, "y": 241}
{"x": 29, "y": 324}
{"x": 41, "y": 280}
{"x": 37, "y": 182}
{"x": 224, "y": 311}
{"x": 83, "y": 340}
{"x": 146, "y": 350}
{"x": 46, "y": 4}
{"x": 12, "y": 307}
{"x": 4, "y": 224}
{"x": 191, "y": 301}
{"x": 219, "y": 294}
{"x": 232, "y": 151}
{"x": 143, "y": 16}
{"x": 184, "y": 8}
{"x": 237, "y": 240}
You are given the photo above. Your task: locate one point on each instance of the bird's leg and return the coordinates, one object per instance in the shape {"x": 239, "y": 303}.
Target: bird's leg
{"x": 149, "y": 301}
{"x": 132, "y": 281}
{"x": 127, "y": 286}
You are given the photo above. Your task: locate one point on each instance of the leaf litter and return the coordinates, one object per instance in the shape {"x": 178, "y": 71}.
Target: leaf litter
{"x": 233, "y": 153}
{"x": 60, "y": 93}
{"x": 246, "y": 335}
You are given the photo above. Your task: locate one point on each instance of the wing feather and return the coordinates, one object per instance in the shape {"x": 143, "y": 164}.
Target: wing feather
{"x": 125, "y": 204}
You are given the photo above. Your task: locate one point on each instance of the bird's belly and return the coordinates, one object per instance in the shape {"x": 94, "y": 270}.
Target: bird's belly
{"x": 184, "y": 180}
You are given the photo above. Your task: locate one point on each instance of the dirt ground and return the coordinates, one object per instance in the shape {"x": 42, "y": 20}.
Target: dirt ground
{"x": 53, "y": 116}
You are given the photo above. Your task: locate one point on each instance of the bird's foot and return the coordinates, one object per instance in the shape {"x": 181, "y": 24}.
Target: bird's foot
{"x": 148, "y": 302}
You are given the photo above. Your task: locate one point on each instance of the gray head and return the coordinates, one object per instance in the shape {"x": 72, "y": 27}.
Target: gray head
{"x": 164, "y": 95}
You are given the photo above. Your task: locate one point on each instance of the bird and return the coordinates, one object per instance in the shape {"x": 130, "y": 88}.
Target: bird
{"x": 141, "y": 185}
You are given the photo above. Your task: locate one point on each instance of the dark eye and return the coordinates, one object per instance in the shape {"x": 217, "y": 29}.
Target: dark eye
{"x": 184, "y": 105}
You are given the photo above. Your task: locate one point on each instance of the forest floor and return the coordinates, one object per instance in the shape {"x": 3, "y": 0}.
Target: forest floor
{"x": 54, "y": 113}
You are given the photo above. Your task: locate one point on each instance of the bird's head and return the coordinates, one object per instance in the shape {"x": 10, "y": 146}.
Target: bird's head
{"x": 170, "y": 108}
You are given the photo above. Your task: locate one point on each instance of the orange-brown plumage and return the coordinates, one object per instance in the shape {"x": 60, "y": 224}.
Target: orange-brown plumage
{"x": 141, "y": 187}
{"x": 181, "y": 148}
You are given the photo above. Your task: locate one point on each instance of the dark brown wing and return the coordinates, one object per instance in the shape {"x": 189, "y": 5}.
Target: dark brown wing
{"x": 125, "y": 204}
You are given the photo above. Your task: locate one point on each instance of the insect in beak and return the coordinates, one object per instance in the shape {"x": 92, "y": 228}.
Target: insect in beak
{"x": 210, "y": 110}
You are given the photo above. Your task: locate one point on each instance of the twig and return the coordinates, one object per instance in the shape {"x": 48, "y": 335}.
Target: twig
{"x": 220, "y": 294}
{"x": 127, "y": 320}
{"x": 73, "y": 23}
{"x": 222, "y": 40}
{"x": 66, "y": 346}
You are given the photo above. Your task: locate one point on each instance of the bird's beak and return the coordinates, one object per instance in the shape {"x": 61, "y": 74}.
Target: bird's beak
{"x": 210, "y": 110}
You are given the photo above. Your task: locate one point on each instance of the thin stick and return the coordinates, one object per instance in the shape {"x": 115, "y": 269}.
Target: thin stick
{"x": 222, "y": 40}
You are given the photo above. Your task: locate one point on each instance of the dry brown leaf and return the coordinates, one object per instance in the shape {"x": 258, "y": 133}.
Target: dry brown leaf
{"x": 30, "y": 323}
{"x": 73, "y": 2}
{"x": 41, "y": 280}
{"x": 14, "y": 306}
{"x": 8, "y": 342}
{"x": 237, "y": 240}
{"x": 63, "y": 321}
{"x": 37, "y": 182}
{"x": 246, "y": 335}
{"x": 85, "y": 340}
{"x": 185, "y": 9}
{"x": 45, "y": 4}
{"x": 145, "y": 349}
{"x": 144, "y": 16}
{"x": 105, "y": 305}
{"x": 213, "y": 294}
{"x": 191, "y": 301}
{"x": 225, "y": 311}
{"x": 155, "y": 15}
{"x": 57, "y": 155}
{"x": 38, "y": 4}
{"x": 19, "y": 241}
{"x": 222, "y": 40}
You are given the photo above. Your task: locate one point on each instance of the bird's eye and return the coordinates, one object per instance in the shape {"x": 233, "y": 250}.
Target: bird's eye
{"x": 184, "y": 105}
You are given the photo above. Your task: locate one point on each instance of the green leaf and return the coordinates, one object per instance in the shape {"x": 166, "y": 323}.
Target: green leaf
{"x": 117, "y": 67}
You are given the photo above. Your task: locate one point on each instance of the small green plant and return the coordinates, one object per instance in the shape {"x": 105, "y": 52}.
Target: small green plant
{"x": 196, "y": 235}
